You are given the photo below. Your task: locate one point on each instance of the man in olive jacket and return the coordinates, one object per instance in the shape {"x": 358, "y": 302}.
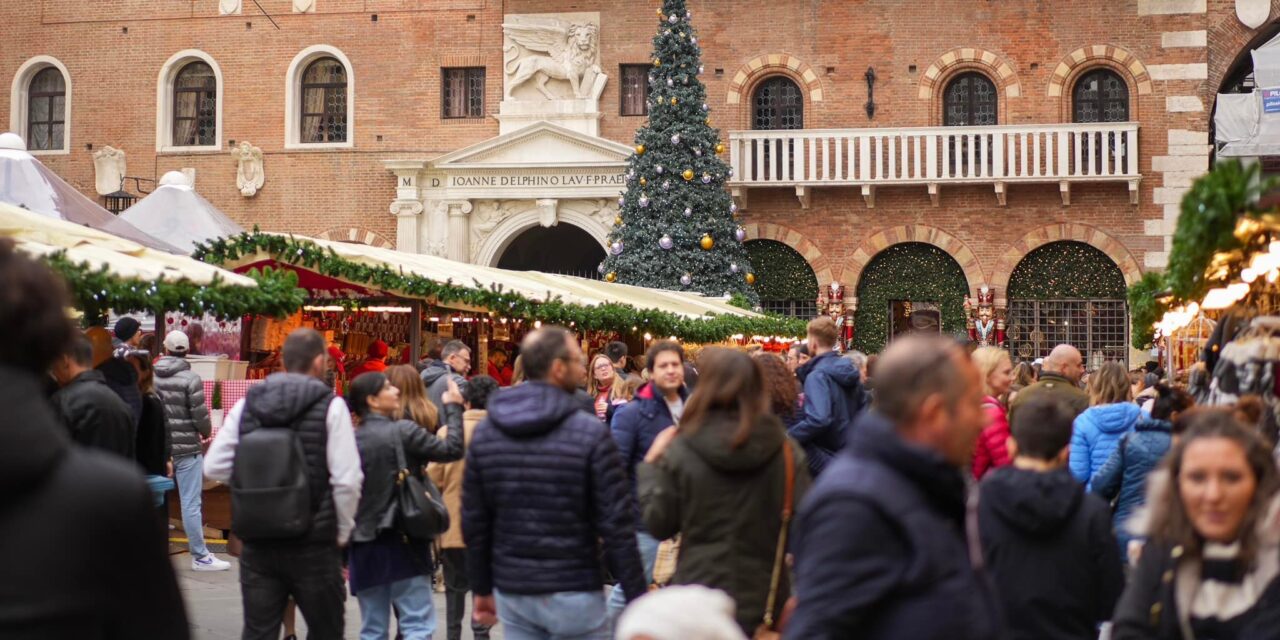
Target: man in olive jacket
{"x": 1059, "y": 379}
{"x": 182, "y": 393}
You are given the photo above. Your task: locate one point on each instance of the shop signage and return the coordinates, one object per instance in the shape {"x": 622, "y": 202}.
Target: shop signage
{"x": 553, "y": 180}
{"x": 1271, "y": 100}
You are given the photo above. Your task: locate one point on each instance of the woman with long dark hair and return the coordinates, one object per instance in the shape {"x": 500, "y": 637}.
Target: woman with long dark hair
{"x": 1209, "y": 568}
{"x": 720, "y": 481}
{"x": 781, "y": 385}
{"x": 386, "y": 567}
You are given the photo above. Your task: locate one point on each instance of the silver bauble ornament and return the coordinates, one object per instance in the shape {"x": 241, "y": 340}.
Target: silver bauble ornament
{"x": 665, "y": 242}
{"x": 688, "y": 212}
{"x": 706, "y": 178}
{"x": 600, "y": 268}
{"x": 666, "y": 184}
{"x": 672, "y": 19}
{"x": 740, "y": 234}
{"x": 670, "y": 82}
{"x": 658, "y": 168}
{"x": 675, "y": 139}
{"x": 616, "y": 248}
{"x": 686, "y": 279}
{"x": 733, "y": 207}
{"x": 733, "y": 267}
{"x": 644, "y": 201}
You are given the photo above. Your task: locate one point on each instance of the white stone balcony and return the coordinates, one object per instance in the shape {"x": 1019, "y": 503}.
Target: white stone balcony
{"x": 933, "y": 157}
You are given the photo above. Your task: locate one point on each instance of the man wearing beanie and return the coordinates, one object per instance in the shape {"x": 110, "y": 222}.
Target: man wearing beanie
{"x": 108, "y": 359}
{"x": 376, "y": 360}
{"x": 128, "y": 335}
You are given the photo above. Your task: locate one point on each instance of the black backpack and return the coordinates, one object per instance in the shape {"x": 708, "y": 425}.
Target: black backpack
{"x": 270, "y": 497}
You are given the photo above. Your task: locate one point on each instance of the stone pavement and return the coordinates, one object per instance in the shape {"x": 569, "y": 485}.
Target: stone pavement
{"x": 213, "y": 604}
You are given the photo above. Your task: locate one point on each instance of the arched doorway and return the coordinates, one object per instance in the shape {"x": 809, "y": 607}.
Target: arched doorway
{"x": 1068, "y": 293}
{"x": 912, "y": 286}
{"x": 562, "y": 248}
{"x": 785, "y": 282}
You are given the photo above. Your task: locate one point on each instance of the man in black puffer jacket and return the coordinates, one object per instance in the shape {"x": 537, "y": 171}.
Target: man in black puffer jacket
{"x": 543, "y": 491}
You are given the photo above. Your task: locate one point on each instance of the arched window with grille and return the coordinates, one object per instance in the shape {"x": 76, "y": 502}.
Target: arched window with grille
{"x": 324, "y": 102}
{"x": 970, "y": 99}
{"x": 46, "y": 110}
{"x": 1100, "y": 95}
{"x": 776, "y": 104}
{"x": 195, "y": 106}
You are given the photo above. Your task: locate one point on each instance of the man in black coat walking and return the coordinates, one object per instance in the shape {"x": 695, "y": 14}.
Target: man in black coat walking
{"x": 880, "y": 545}
{"x": 544, "y": 498}
{"x": 59, "y": 500}
{"x": 92, "y": 413}
{"x": 1037, "y": 521}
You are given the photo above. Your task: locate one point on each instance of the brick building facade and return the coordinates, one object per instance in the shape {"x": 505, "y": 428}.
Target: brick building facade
{"x": 397, "y": 171}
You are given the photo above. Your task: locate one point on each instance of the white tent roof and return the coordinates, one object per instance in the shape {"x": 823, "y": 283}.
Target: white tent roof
{"x": 175, "y": 213}
{"x": 40, "y": 235}
{"x": 27, "y": 183}
{"x": 530, "y": 284}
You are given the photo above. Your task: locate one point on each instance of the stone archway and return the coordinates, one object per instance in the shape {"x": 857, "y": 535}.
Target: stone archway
{"x": 490, "y": 244}
{"x": 822, "y": 267}
{"x": 575, "y": 252}
{"x": 1036, "y": 238}
{"x": 909, "y": 280}
{"x": 356, "y": 234}
{"x": 881, "y": 240}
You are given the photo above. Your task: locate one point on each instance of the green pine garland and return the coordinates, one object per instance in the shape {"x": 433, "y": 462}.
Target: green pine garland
{"x": 781, "y": 272}
{"x": 618, "y": 318}
{"x": 95, "y": 291}
{"x": 1146, "y": 308}
{"x": 1066, "y": 270}
{"x": 676, "y": 170}
{"x": 910, "y": 271}
{"x": 1207, "y": 223}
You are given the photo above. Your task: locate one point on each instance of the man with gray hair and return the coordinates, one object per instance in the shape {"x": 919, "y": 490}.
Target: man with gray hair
{"x": 880, "y": 547}
{"x": 455, "y": 363}
{"x": 1059, "y": 379}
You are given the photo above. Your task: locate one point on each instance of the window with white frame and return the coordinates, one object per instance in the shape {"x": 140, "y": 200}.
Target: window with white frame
{"x": 189, "y": 103}
{"x": 319, "y": 100}
{"x": 40, "y": 105}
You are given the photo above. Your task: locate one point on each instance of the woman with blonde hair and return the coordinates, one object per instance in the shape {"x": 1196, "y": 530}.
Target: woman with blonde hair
{"x": 601, "y": 379}
{"x": 414, "y": 403}
{"x": 996, "y": 369}
{"x": 1110, "y": 416}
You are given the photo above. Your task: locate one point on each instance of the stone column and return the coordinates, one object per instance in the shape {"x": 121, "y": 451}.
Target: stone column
{"x": 457, "y": 244}
{"x": 407, "y": 207}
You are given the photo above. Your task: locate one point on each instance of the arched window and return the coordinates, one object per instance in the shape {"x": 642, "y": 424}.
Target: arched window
{"x": 1100, "y": 95}
{"x": 195, "y": 106}
{"x": 324, "y": 102}
{"x": 776, "y": 104}
{"x": 970, "y": 99}
{"x": 785, "y": 282}
{"x": 46, "y": 110}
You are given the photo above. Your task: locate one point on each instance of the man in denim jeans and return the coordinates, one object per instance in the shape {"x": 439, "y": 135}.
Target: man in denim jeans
{"x": 544, "y": 498}
{"x": 182, "y": 393}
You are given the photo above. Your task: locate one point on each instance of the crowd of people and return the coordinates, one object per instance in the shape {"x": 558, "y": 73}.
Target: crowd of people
{"x": 930, "y": 491}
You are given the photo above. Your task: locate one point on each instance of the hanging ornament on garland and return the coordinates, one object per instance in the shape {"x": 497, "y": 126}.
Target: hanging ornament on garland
{"x": 697, "y": 152}
{"x": 719, "y": 147}
{"x": 644, "y": 201}
{"x": 616, "y": 248}
{"x": 672, "y": 19}
{"x": 639, "y": 149}
{"x": 706, "y": 178}
{"x": 687, "y": 174}
{"x": 733, "y": 267}
{"x": 658, "y": 168}
{"x": 740, "y": 233}
{"x": 686, "y": 279}
{"x": 707, "y": 242}
{"x": 665, "y": 242}
{"x": 673, "y": 102}
{"x": 675, "y": 139}
{"x": 622, "y": 201}
{"x": 670, "y": 82}
{"x": 617, "y": 221}
{"x": 643, "y": 182}
{"x": 600, "y": 269}
{"x": 750, "y": 278}
{"x": 610, "y": 277}
{"x": 688, "y": 212}
{"x": 657, "y": 63}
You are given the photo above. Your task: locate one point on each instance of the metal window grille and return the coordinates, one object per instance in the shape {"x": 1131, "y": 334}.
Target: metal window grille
{"x": 1098, "y": 328}
{"x": 804, "y": 309}
{"x": 634, "y": 95}
{"x": 46, "y": 110}
{"x": 195, "y": 106}
{"x": 776, "y": 104}
{"x": 324, "y": 102}
{"x": 463, "y": 94}
{"x": 1102, "y": 95}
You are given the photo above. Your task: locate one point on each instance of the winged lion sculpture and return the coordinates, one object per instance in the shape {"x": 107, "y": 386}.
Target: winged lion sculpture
{"x": 563, "y": 51}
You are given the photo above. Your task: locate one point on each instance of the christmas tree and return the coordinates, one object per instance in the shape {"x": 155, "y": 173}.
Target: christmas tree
{"x": 677, "y": 227}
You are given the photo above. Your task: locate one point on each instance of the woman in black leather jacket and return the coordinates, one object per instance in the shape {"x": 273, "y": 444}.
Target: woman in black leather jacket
{"x": 386, "y": 567}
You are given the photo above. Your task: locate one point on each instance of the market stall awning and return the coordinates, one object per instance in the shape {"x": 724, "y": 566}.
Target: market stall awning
{"x": 25, "y": 182}
{"x": 43, "y": 236}
{"x": 175, "y": 213}
{"x": 566, "y": 300}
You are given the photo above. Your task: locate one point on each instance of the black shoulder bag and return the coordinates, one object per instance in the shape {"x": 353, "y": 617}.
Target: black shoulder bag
{"x": 422, "y": 514}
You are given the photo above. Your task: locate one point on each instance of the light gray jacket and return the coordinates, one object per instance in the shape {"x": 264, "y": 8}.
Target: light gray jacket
{"x": 185, "y": 414}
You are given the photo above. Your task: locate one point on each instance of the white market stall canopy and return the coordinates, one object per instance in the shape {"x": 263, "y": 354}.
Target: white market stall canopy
{"x": 25, "y": 182}
{"x": 175, "y": 213}
{"x": 530, "y": 284}
{"x": 43, "y": 236}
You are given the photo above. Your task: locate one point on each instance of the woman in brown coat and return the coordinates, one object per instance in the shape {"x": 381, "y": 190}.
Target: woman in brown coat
{"x": 448, "y": 477}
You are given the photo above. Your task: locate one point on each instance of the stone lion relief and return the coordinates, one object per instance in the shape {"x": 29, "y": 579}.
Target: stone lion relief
{"x": 546, "y": 48}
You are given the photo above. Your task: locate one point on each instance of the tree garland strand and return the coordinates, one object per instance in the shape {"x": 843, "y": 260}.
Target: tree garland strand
{"x": 614, "y": 317}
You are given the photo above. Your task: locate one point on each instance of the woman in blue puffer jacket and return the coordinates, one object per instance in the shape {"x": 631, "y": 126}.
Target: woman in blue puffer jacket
{"x": 1111, "y": 415}
{"x": 1123, "y": 478}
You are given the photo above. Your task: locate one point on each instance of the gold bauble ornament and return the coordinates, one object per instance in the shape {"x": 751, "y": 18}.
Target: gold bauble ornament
{"x": 706, "y": 242}
{"x": 708, "y": 122}
{"x": 750, "y": 278}
{"x": 643, "y": 182}
{"x": 719, "y": 147}
{"x": 639, "y": 149}
{"x": 657, "y": 63}
{"x": 617, "y": 221}
{"x": 673, "y": 101}
{"x": 611, "y": 276}
{"x": 687, "y": 175}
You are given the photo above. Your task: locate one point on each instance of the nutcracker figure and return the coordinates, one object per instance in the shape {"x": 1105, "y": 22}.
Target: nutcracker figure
{"x": 985, "y": 323}
{"x": 832, "y": 301}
